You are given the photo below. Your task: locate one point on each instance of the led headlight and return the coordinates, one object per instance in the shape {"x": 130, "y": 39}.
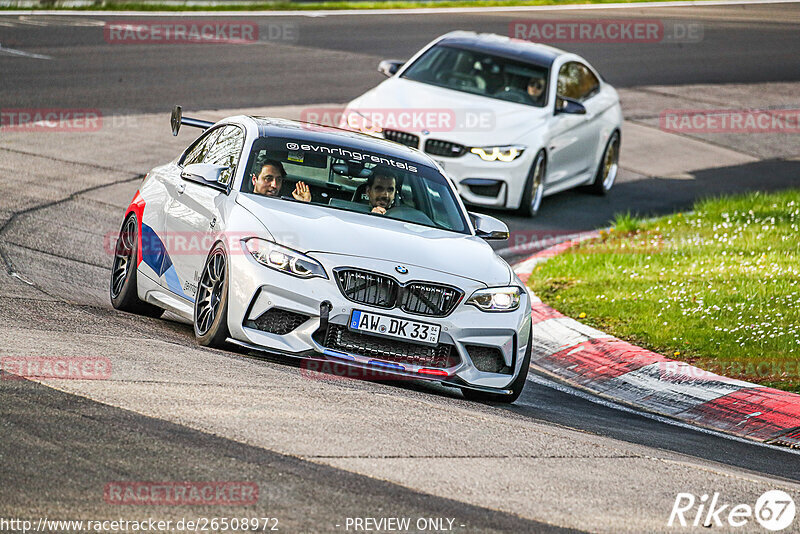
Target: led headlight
{"x": 284, "y": 259}
{"x": 496, "y": 299}
{"x": 498, "y": 153}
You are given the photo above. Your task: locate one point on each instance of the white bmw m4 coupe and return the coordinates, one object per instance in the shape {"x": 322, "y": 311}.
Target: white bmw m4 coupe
{"x": 509, "y": 121}
{"x": 326, "y": 245}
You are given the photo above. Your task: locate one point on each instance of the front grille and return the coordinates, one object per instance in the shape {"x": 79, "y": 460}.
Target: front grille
{"x": 444, "y": 148}
{"x": 429, "y": 299}
{"x": 277, "y": 321}
{"x": 404, "y": 138}
{"x": 340, "y": 338}
{"x": 420, "y": 298}
{"x": 487, "y": 359}
{"x": 368, "y": 288}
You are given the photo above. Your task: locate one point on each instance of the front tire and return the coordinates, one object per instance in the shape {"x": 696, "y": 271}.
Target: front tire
{"x": 534, "y": 187}
{"x": 211, "y": 301}
{"x": 516, "y": 386}
{"x": 124, "y": 289}
{"x": 608, "y": 168}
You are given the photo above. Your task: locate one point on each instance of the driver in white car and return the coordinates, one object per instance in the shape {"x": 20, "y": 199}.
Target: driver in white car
{"x": 270, "y": 179}
{"x": 536, "y": 89}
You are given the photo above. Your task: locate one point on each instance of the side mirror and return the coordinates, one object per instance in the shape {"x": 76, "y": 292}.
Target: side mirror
{"x": 206, "y": 173}
{"x": 569, "y": 106}
{"x": 389, "y": 67}
{"x": 488, "y": 227}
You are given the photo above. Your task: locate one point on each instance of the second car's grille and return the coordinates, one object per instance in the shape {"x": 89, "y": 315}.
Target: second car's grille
{"x": 444, "y": 148}
{"x": 403, "y": 138}
{"x": 420, "y": 298}
{"x": 340, "y": 338}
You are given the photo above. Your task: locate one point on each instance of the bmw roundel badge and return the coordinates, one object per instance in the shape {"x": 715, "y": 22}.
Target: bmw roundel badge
{"x": 401, "y": 269}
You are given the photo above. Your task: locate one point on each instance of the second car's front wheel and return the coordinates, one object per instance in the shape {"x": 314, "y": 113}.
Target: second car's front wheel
{"x": 608, "y": 168}
{"x": 534, "y": 187}
{"x": 211, "y": 301}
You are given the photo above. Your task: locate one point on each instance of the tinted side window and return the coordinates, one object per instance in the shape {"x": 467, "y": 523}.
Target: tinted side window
{"x": 200, "y": 148}
{"x": 576, "y": 81}
{"x": 226, "y": 150}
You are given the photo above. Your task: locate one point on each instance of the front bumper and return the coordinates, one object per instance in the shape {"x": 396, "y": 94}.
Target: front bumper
{"x": 255, "y": 290}
{"x": 494, "y": 184}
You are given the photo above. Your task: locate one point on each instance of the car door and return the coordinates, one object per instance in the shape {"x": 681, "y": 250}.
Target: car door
{"x": 194, "y": 217}
{"x": 574, "y": 137}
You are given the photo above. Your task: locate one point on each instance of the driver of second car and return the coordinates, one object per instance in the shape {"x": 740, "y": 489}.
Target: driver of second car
{"x": 269, "y": 180}
{"x": 381, "y": 189}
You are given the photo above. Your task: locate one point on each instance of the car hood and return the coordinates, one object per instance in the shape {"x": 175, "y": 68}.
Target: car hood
{"x": 502, "y": 123}
{"x": 308, "y": 229}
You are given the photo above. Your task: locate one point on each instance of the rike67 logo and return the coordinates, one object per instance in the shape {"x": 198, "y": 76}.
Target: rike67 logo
{"x": 774, "y": 510}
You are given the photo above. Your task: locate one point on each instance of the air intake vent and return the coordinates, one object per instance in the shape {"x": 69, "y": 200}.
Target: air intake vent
{"x": 277, "y": 321}
{"x": 488, "y": 359}
{"x": 340, "y": 338}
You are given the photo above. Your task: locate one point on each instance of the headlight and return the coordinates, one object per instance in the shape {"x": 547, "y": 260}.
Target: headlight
{"x": 502, "y": 153}
{"x": 496, "y": 299}
{"x": 353, "y": 120}
{"x": 284, "y": 259}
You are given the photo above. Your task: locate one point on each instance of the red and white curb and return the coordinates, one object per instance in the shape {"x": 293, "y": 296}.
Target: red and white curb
{"x": 603, "y": 365}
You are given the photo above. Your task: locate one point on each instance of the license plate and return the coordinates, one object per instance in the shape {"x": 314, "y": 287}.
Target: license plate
{"x": 383, "y": 325}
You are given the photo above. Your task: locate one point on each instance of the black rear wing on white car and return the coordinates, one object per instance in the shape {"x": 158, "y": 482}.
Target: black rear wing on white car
{"x": 177, "y": 119}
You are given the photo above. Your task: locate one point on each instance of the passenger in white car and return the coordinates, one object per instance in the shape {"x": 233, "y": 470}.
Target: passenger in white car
{"x": 269, "y": 180}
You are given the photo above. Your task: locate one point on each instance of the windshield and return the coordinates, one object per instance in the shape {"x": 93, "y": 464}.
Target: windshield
{"x": 350, "y": 179}
{"x": 482, "y": 74}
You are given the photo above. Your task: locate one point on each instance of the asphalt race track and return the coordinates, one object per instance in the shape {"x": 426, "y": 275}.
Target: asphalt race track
{"x": 325, "y": 450}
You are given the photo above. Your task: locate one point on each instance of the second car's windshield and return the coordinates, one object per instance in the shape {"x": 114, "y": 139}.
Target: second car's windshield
{"x": 474, "y": 72}
{"x": 350, "y": 179}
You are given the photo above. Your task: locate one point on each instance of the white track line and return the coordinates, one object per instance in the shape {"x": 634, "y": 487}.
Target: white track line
{"x": 542, "y": 381}
{"x": 14, "y": 52}
{"x": 415, "y": 11}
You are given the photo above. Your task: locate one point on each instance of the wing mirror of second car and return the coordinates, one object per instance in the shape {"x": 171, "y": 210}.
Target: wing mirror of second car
{"x": 204, "y": 172}
{"x": 569, "y": 106}
{"x": 488, "y": 227}
{"x": 389, "y": 67}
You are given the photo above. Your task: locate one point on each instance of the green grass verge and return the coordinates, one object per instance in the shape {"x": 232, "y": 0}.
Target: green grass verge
{"x": 107, "y": 5}
{"x": 718, "y": 287}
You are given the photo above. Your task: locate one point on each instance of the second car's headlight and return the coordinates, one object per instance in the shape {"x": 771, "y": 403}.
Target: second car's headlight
{"x": 496, "y": 299}
{"x": 284, "y": 259}
{"x": 501, "y": 153}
